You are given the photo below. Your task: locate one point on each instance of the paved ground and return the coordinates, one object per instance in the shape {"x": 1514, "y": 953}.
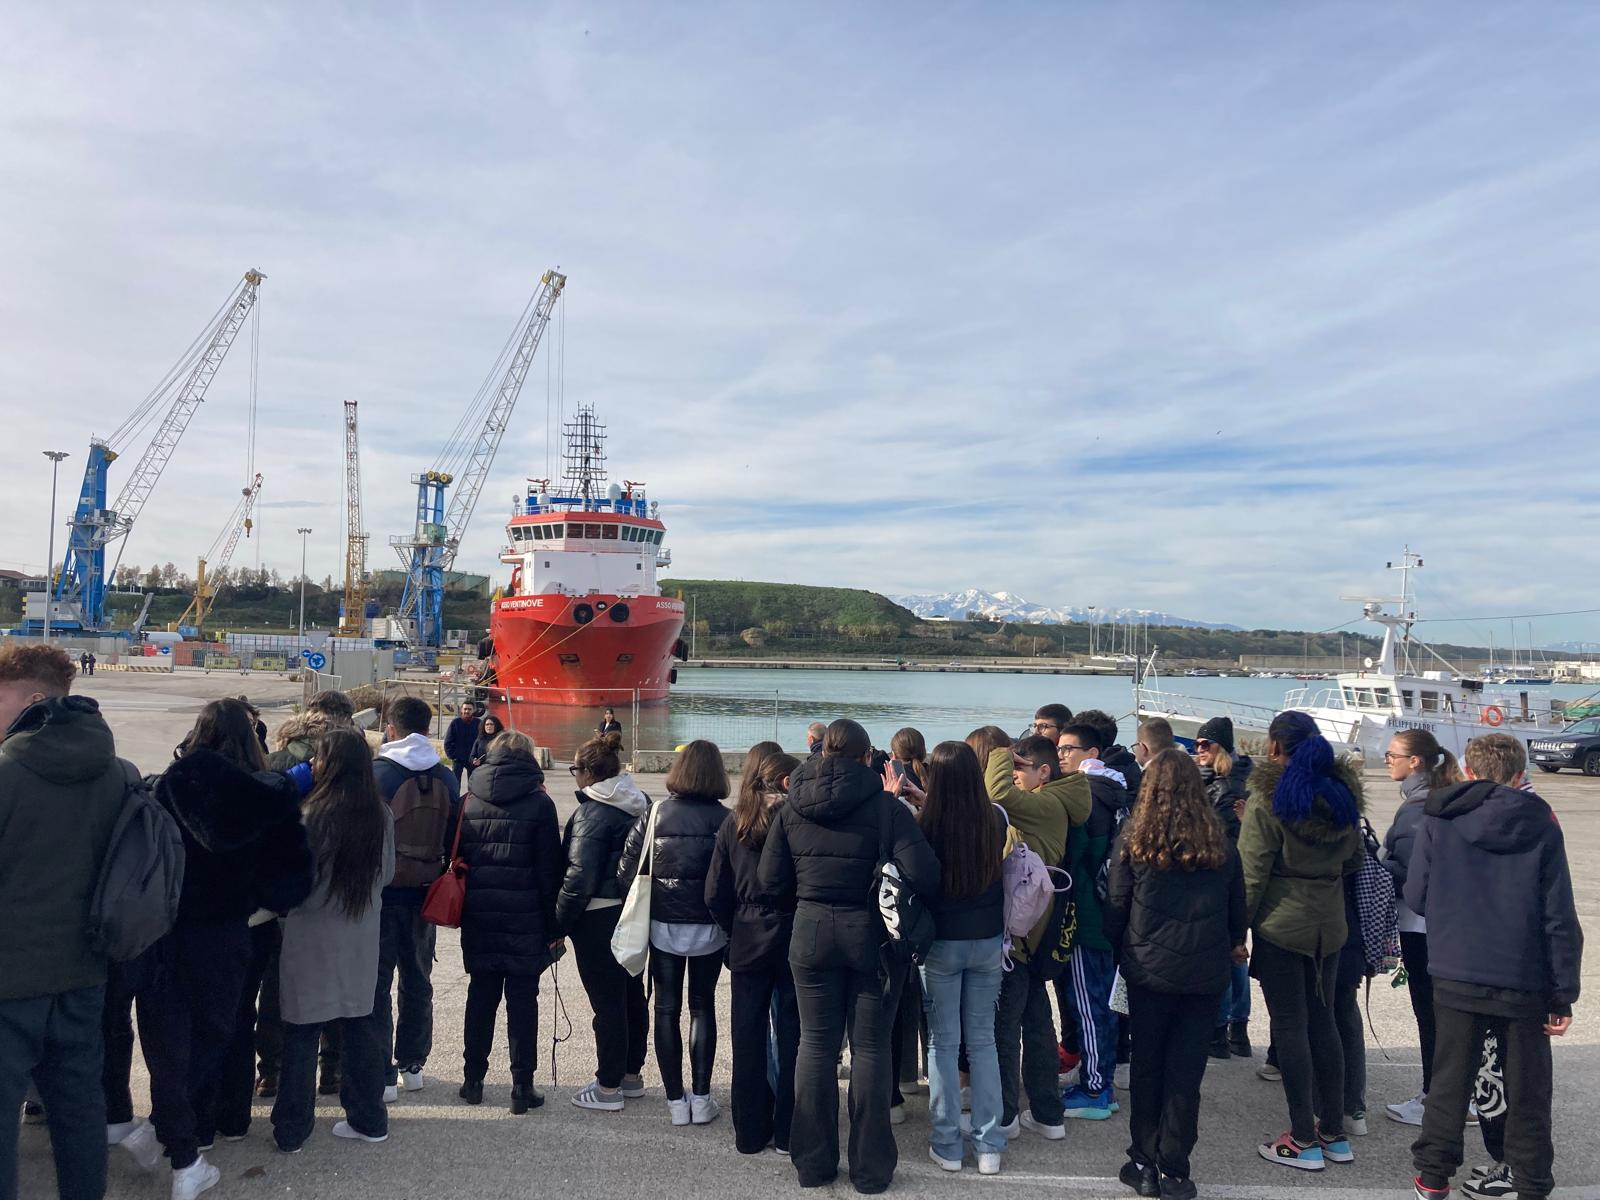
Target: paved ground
{"x": 440, "y": 1147}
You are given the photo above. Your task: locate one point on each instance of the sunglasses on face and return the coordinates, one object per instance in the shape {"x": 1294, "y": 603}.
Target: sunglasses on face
{"x": 1202, "y": 744}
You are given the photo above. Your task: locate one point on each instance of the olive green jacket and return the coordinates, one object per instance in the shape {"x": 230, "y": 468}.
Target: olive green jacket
{"x": 1043, "y": 818}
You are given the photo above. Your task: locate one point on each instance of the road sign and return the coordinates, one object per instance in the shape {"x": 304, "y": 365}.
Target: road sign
{"x": 165, "y": 650}
{"x": 316, "y": 661}
{"x": 306, "y": 654}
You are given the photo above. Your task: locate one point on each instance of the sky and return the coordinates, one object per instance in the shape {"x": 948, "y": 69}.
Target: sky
{"x": 1202, "y": 308}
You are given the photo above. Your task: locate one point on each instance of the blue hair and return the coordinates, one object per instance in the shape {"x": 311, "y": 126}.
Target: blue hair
{"x": 1309, "y": 773}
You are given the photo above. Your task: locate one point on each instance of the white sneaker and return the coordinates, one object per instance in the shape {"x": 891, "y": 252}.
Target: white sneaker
{"x": 143, "y": 1145}
{"x": 1012, "y": 1130}
{"x": 703, "y": 1109}
{"x": 945, "y": 1164}
{"x": 1052, "y": 1133}
{"x": 966, "y": 1099}
{"x": 1408, "y": 1112}
{"x": 197, "y": 1177}
{"x": 592, "y": 1095}
{"x": 412, "y": 1080}
{"x": 118, "y": 1133}
{"x": 1120, "y": 1076}
{"x": 391, "y": 1093}
{"x": 897, "y": 1114}
{"x": 678, "y": 1110}
{"x": 988, "y": 1164}
{"x": 345, "y": 1130}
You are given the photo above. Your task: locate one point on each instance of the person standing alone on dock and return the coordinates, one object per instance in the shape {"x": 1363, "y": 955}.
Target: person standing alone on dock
{"x": 459, "y": 738}
{"x": 609, "y": 723}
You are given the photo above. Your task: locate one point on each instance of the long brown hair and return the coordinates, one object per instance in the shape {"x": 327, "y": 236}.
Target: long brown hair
{"x": 750, "y": 775}
{"x": 960, "y": 823}
{"x": 910, "y": 748}
{"x": 226, "y": 727}
{"x": 1438, "y": 762}
{"x": 752, "y": 813}
{"x": 1174, "y": 825}
{"x": 345, "y": 820}
{"x": 985, "y": 741}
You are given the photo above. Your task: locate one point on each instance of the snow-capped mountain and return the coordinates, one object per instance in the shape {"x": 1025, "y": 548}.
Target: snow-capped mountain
{"x": 1003, "y": 606}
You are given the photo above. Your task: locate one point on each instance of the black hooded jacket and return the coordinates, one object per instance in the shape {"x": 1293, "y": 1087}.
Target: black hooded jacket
{"x": 1489, "y": 872}
{"x": 757, "y": 925}
{"x": 1175, "y": 930}
{"x": 244, "y": 843}
{"x": 826, "y": 842}
{"x": 686, "y": 832}
{"x": 1121, "y": 760}
{"x": 511, "y": 843}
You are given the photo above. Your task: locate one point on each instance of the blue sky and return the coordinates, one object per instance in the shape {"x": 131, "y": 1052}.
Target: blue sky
{"x": 1196, "y": 307}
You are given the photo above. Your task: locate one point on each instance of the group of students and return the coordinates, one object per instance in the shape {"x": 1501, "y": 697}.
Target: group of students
{"x": 1176, "y": 877}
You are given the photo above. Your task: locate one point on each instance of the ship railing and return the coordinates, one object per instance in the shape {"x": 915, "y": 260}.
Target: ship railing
{"x": 1154, "y": 700}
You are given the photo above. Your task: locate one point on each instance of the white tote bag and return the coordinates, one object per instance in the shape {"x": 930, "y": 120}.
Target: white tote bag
{"x": 630, "y": 940}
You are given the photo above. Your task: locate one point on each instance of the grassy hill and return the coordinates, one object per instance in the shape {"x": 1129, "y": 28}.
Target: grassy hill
{"x": 788, "y": 610}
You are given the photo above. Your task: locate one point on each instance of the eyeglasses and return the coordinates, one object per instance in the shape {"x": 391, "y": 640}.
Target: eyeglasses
{"x": 1391, "y": 756}
{"x": 1068, "y": 749}
{"x": 573, "y": 768}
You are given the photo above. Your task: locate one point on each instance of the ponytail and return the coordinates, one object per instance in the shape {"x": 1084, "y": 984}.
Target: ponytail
{"x": 1309, "y": 773}
{"x": 1439, "y": 763}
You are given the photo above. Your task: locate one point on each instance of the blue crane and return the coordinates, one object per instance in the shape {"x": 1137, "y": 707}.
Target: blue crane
{"x": 430, "y": 551}
{"x": 78, "y": 592}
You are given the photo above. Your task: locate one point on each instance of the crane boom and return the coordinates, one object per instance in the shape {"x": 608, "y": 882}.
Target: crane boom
{"x": 352, "y": 620}
{"x": 432, "y": 549}
{"x": 239, "y": 523}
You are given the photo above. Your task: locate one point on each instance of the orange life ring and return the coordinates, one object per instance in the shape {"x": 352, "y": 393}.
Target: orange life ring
{"x": 1493, "y": 714}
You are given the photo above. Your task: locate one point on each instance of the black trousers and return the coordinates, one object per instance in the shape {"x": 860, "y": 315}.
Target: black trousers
{"x": 116, "y": 1027}
{"x": 54, "y": 1042}
{"x": 667, "y": 974}
{"x": 186, "y": 1014}
{"x": 1353, "y": 1040}
{"x": 906, "y": 1038}
{"x": 1528, "y": 1075}
{"x": 836, "y": 992}
{"x": 360, "y": 1087}
{"x": 484, "y": 989}
{"x": 1299, "y": 992}
{"x": 763, "y": 1000}
{"x": 621, "y": 1017}
{"x": 1170, "y": 1036}
{"x": 1414, "y": 953}
{"x": 1489, "y": 1094}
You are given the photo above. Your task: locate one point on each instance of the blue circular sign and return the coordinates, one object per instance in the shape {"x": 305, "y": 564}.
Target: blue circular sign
{"x": 317, "y": 661}
{"x": 306, "y": 654}
{"x": 165, "y": 650}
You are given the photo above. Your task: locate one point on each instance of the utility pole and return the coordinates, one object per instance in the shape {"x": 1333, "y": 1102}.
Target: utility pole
{"x": 303, "y": 532}
{"x": 55, "y": 457}
{"x": 1091, "y": 630}
{"x": 694, "y": 609}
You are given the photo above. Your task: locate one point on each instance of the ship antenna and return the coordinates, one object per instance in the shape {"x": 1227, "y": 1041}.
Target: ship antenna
{"x": 584, "y": 463}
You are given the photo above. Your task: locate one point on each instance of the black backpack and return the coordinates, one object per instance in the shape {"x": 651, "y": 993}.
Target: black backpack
{"x": 421, "y": 808}
{"x": 908, "y": 928}
{"x": 135, "y": 899}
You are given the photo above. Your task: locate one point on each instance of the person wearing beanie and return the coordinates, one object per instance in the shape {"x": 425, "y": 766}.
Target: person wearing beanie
{"x": 1225, "y": 771}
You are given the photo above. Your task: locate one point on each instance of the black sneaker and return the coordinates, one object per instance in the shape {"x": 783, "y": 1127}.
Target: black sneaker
{"x": 1177, "y": 1189}
{"x": 1142, "y": 1178}
{"x": 1219, "y": 1043}
{"x": 1494, "y": 1184}
{"x": 472, "y": 1091}
{"x": 1239, "y": 1039}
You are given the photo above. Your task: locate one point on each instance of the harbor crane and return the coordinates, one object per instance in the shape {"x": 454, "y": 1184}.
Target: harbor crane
{"x": 77, "y": 597}
{"x": 352, "y": 614}
{"x": 430, "y": 550}
{"x": 193, "y": 621}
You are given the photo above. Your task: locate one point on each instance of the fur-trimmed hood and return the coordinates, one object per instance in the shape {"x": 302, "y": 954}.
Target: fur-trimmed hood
{"x": 1318, "y": 828}
{"x": 305, "y": 727}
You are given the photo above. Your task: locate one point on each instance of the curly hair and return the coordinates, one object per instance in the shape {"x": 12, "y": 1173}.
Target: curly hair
{"x": 1174, "y": 825}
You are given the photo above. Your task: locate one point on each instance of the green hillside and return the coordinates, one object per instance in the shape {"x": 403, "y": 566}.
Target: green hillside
{"x": 790, "y": 610}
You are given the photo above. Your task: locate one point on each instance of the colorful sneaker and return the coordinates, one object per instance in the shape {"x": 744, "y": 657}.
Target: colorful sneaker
{"x": 1336, "y": 1149}
{"x": 1408, "y": 1112}
{"x": 1424, "y": 1192}
{"x": 1496, "y": 1183}
{"x": 1287, "y": 1152}
{"x": 1083, "y": 1105}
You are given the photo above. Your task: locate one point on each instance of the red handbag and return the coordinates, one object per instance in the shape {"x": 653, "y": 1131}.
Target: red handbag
{"x": 447, "y": 895}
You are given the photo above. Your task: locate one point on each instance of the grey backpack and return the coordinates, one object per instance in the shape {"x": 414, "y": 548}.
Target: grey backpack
{"x": 135, "y": 900}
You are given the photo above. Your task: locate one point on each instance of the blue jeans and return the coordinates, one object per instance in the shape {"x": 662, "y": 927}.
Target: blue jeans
{"x": 960, "y": 992}
{"x": 1235, "y": 1004}
{"x": 55, "y": 1042}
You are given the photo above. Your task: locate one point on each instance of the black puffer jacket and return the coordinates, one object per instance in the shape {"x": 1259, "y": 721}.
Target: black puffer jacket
{"x": 244, "y": 843}
{"x": 1121, "y": 760}
{"x": 596, "y": 833}
{"x": 511, "y": 843}
{"x": 826, "y": 842}
{"x": 1176, "y": 929}
{"x": 686, "y": 832}
{"x": 758, "y": 925}
{"x": 1401, "y": 839}
{"x": 1224, "y": 791}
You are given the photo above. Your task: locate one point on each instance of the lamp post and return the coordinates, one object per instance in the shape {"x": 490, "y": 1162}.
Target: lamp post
{"x": 303, "y": 531}
{"x": 55, "y": 457}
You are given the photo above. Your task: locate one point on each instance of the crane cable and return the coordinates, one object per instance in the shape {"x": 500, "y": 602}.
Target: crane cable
{"x": 146, "y": 409}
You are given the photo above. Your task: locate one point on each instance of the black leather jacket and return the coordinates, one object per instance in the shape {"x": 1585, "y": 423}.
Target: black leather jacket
{"x": 686, "y": 832}
{"x": 593, "y": 842}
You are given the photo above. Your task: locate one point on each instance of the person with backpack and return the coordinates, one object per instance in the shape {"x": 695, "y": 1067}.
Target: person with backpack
{"x": 329, "y": 958}
{"x": 62, "y": 790}
{"x": 245, "y": 857}
{"x": 420, "y": 791}
{"x": 1042, "y": 805}
{"x": 961, "y": 974}
{"x": 686, "y": 943}
{"x": 587, "y": 909}
{"x": 1301, "y": 835}
{"x": 511, "y": 844}
{"x": 845, "y": 850}
{"x": 1416, "y": 761}
{"x": 1093, "y": 968}
{"x": 1225, "y": 773}
{"x": 1175, "y": 907}
{"x": 758, "y": 928}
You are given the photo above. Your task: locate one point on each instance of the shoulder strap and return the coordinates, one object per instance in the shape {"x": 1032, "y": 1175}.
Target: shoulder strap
{"x": 461, "y": 819}
{"x": 647, "y": 851}
{"x": 886, "y": 827}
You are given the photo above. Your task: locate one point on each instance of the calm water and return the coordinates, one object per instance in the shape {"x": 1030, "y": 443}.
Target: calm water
{"x": 736, "y": 708}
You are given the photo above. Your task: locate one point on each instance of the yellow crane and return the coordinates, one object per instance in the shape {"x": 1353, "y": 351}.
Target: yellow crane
{"x": 239, "y": 523}
{"x": 352, "y": 615}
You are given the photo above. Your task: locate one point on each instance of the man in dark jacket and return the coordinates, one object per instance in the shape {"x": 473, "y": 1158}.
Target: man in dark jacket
{"x": 61, "y": 791}
{"x": 1118, "y": 758}
{"x": 406, "y": 941}
{"x": 1489, "y": 874}
{"x": 459, "y": 738}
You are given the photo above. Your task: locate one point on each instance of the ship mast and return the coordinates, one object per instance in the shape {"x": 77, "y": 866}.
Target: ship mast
{"x": 583, "y": 463}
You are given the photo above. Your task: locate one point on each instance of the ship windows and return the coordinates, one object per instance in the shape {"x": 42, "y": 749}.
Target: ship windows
{"x": 556, "y": 531}
{"x": 630, "y": 533}
{"x": 608, "y": 533}
{"x": 591, "y": 531}
{"x": 638, "y": 566}
{"x": 569, "y": 660}
{"x": 1430, "y": 701}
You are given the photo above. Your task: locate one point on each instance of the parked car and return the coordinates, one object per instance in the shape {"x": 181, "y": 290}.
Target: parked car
{"x": 1576, "y": 746}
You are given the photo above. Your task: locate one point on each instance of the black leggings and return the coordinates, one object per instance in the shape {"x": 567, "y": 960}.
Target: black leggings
{"x": 1414, "y": 953}
{"x": 666, "y": 974}
{"x": 1300, "y": 993}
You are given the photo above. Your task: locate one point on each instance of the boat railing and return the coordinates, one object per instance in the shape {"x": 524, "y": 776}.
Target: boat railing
{"x": 1203, "y": 707}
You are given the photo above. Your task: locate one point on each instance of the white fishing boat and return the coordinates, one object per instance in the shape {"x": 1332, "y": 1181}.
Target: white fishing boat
{"x": 1408, "y": 686}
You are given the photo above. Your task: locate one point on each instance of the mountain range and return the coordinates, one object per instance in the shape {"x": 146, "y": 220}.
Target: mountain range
{"x": 1003, "y": 606}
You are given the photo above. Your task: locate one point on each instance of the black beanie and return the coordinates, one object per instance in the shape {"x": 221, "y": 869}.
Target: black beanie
{"x": 1218, "y": 730}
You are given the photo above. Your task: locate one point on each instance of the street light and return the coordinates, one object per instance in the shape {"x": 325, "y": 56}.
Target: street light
{"x": 302, "y": 531}
{"x": 55, "y": 457}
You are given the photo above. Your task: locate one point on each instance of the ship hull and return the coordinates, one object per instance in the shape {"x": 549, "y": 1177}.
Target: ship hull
{"x": 545, "y": 652}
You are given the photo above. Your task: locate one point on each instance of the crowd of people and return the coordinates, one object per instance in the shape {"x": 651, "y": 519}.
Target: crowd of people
{"x": 865, "y": 903}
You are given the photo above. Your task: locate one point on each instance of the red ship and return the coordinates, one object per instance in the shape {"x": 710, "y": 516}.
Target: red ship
{"x": 583, "y": 621}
